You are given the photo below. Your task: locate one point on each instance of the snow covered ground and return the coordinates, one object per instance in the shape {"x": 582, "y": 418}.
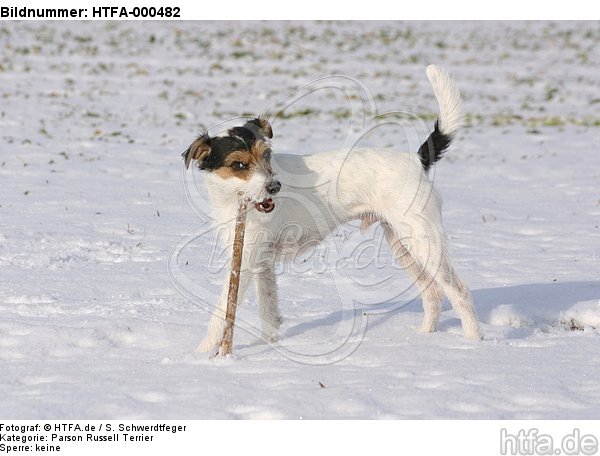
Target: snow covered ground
{"x": 93, "y": 118}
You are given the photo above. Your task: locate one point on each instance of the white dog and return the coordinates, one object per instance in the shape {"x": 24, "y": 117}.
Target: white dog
{"x": 383, "y": 186}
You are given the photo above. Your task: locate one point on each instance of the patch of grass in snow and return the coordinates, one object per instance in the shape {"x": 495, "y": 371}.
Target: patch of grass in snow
{"x": 499, "y": 120}
{"x": 572, "y": 324}
{"x": 307, "y": 112}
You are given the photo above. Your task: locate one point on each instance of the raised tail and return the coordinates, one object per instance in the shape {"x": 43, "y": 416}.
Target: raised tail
{"x": 449, "y": 120}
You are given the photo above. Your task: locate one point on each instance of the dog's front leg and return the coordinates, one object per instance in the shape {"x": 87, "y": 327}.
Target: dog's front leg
{"x": 268, "y": 305}
{"x": 216, "y": 326}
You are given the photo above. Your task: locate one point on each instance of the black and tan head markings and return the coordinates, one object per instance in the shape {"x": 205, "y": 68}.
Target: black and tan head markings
{"x": 243, "y": 163}
{"x": 239, "y": 153}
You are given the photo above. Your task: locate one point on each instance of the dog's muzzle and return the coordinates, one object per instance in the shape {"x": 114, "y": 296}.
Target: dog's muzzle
{"x": 266, "y": 205}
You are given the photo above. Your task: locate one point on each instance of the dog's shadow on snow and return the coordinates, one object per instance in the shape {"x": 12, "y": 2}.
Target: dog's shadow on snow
{"x": 519, "y": 308}
{"x": 535, "y": 299}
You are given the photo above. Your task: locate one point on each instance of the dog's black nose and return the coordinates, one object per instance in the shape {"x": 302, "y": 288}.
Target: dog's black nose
{"x": 273, "y": 187}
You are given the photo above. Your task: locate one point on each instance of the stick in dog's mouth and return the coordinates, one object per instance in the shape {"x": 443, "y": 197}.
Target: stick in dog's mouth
{"x": 266, "y": 205}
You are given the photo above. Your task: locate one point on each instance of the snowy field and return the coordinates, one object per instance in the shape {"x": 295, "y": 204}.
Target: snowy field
{"x": 95, "y": 322}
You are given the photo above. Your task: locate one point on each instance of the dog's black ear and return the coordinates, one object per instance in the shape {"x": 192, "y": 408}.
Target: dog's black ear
{"x": 198, "y": 150}
{"x": 260, "y": 127}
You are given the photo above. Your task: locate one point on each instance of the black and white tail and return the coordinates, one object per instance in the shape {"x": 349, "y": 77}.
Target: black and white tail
{"x": 449, "y": 120}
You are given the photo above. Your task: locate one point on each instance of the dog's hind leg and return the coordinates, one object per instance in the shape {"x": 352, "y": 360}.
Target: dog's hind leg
{"x": 460, "y": 297}
{"x": 431, "y": 294}
{"x": 425, "y": 242}
{"x": 436, "y": 261}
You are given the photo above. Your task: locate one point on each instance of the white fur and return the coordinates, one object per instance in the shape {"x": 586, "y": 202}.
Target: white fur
{"x": 449, "y": 100}
{"x": 331, "y": 188}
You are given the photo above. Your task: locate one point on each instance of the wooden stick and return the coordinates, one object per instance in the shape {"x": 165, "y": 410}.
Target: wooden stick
{"x": 226, "y": 345}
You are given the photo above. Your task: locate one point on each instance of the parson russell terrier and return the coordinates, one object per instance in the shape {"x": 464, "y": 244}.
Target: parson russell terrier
{"x": 374, "y": 186}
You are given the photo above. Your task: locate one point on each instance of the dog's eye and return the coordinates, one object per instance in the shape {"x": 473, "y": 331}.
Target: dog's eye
{"x": 239, "y": 166}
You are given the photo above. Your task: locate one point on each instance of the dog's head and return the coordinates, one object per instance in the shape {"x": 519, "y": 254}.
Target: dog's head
{"x": 242, "y": 159}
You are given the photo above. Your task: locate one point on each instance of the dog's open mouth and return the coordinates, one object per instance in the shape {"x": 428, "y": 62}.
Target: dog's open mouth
{"x": 267, "y": 205}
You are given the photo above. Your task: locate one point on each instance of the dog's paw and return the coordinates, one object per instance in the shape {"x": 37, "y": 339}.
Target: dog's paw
{"x": 271, "y": 338}
{"x": 474, "y": 336}
{"x": 208, "y": 345}
{"x": 270, "y": 333}
{"x": 472, "y": 333}
{"x": 428, "y": 326}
